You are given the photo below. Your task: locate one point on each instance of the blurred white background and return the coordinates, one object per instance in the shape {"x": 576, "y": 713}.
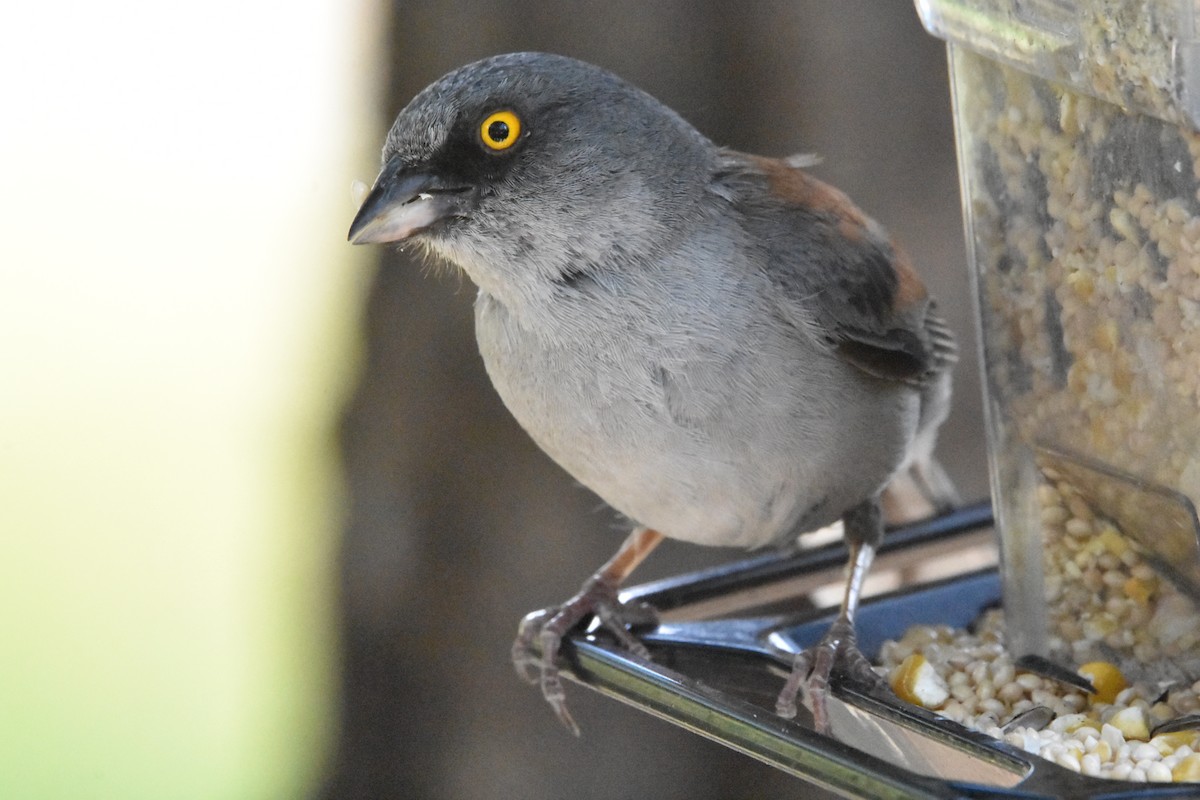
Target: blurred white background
{"x": 177, "y": 320}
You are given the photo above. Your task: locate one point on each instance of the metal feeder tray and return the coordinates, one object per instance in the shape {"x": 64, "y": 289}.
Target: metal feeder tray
{"x": 716, "y": 670}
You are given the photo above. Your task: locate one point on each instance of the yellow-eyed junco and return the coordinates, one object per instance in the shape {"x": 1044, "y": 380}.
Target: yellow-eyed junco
{"x": 725, "y": 349}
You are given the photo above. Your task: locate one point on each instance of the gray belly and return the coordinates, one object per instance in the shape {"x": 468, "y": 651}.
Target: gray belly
{"x": 703, "y": 442}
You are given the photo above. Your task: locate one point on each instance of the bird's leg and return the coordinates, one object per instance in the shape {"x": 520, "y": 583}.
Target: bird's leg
{"x": 814, "y": 666}
{"x": 598, "y": 596}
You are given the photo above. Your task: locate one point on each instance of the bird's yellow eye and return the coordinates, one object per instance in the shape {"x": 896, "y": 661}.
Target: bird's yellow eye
{"x": 500, "y": 130}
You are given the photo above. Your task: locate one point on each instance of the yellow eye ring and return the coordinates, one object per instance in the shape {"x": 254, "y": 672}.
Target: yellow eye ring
{"x": 500, "y": 130}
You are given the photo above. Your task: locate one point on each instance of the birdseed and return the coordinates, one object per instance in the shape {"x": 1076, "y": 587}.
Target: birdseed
{"x": 1084, "y": 218}
{"x": 985, "y": 690}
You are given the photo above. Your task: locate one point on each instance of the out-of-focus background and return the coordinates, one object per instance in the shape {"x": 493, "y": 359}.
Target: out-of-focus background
{"x": 265, "y": 530}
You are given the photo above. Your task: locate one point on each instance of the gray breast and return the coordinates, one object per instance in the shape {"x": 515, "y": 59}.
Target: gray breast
{"x": 724, "y": 432}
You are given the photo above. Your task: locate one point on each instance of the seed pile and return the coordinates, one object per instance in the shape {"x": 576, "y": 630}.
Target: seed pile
{"x": 1084, "y": 218}
{"x": 1127, "y": 51}
{"x": 1109, "y": 611}
{"x": 1089, "y": 260}
{"x": 1106, "y": 735}
{"x": 1105, "y": 602}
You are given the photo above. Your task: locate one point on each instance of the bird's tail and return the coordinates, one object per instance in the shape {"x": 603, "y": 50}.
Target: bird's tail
{"x": 921, "y": 488}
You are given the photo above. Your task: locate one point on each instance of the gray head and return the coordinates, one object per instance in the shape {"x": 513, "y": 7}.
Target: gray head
{"x": 522, "y": 167}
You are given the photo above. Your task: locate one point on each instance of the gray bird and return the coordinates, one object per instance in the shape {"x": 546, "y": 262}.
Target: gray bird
{"x": 723, "y": 348}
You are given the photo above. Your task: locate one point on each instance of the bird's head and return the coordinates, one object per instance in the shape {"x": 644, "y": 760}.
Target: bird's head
{"x": 526, "y": 166}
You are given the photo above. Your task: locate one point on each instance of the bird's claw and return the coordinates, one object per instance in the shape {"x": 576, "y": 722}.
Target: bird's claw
{"x": 540, "y": 635}
{"x": 813, "y": 670}
{"x": 525, "y": 656}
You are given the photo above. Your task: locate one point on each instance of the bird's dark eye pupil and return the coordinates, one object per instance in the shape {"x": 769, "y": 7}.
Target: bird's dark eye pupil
{"x": 498, "y": 131}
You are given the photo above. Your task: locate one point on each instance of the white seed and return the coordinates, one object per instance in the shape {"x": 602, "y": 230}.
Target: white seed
{"x": 1145, "y": 752}
{"x": 1069, "y": 760}
{"x": 1158, "y": 772}
{"x": 1112, "y": 736}
{"x": 1027, "y": 680}
{"x": 1010, "y": 692}
{"x": 1067, "y": 723}
{"x": 1073, "y": 702}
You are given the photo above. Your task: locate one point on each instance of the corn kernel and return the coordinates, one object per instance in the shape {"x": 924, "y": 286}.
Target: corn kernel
{"x": 1122, "y": 378}
{"x": 1122, "y": 223}
{"x": 1188, "y": 769}
{"x": 916, "y": 681}
{"x": 1107, "y": 679}
{"x": 1107, "y": 336}
{"x": 1168, "y": 743}
{"x": 1131, "y": 722}
{"x": 1113, "y": 541}
{"x": 1137, "y": 590}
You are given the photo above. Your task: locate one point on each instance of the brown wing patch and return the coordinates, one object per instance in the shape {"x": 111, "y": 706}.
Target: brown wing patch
{"x": 874, "y": 309}
{"x": 910, "y": 290}
{"x": 796, "y": 186}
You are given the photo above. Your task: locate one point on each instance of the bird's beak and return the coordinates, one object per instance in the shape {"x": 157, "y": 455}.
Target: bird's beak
{"x": 403, "y": 202}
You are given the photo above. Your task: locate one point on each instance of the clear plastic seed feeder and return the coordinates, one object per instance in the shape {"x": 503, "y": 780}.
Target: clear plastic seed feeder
{"x": 1080, "y": 161}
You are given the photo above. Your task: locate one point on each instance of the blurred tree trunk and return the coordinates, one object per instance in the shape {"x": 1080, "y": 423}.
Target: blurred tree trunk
{"x": 458, "y": 525}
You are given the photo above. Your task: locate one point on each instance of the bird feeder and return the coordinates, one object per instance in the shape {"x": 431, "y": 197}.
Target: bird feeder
{"x": 1079, "y": 157}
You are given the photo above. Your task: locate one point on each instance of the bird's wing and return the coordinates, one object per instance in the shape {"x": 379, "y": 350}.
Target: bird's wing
{"x": 837, "y": 275}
